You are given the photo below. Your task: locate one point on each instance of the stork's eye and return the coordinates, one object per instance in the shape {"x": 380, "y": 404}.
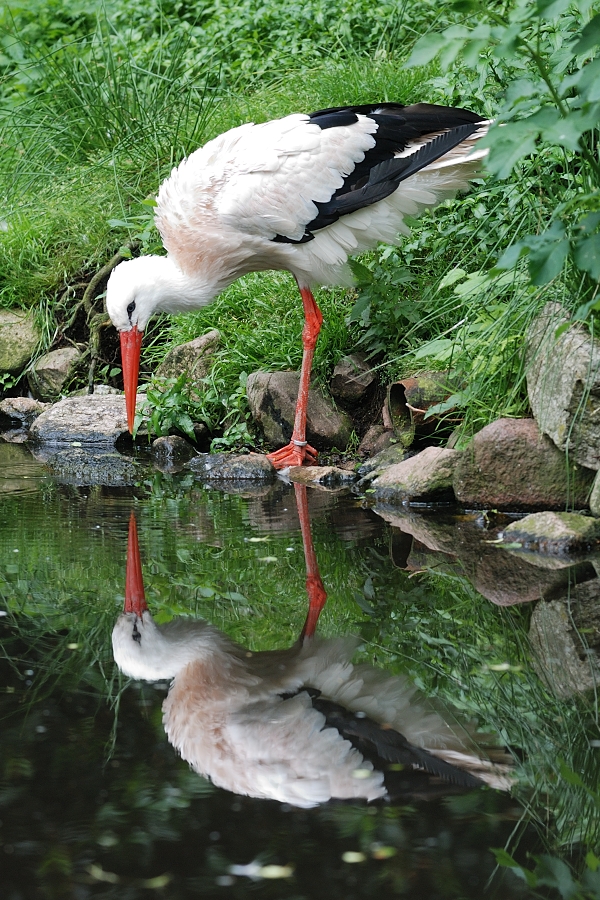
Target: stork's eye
{"x": 131, "y": 308}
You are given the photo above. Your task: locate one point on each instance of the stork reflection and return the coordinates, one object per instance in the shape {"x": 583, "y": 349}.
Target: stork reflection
{"x": 301, "y": 725}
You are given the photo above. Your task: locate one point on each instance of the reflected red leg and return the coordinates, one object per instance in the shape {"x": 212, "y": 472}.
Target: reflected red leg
{"x": 298, "y": 451}
{"x": 315, "y": 590}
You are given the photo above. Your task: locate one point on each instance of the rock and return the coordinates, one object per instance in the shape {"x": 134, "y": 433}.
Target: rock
{"x": 22, "y": 408}
{"x": 510, "y": 465}
{"x": 558, "y": 533}
{"x": 19, "y": 336}
{"x": 563, "y": 383}
{"x": 51, "y": 372}
{"x": 376, "y": 439}
{"x": 172, "y": 448}
{"x": 352, "y": 378}
{"x": 390, "y": 456}
{"x": 194, "y": 358}
{"x": 327, "y": 476}
{"x": 83, "y": 466}
{"x": 594, "y": 496}
{"x": 88, "y": 420}
{"x": 272, "y": 399}
{"x": 233, "y": 467}
{"x": 426, "y": 476}
{"x": 559, "y": 655}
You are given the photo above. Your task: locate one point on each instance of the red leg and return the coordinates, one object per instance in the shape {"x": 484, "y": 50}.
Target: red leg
{"x": 314, "y": 585}
{"x": 298, "y": 451}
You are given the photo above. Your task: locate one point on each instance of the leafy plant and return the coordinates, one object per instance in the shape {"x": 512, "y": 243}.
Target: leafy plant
{"x": 550, "y": 72}
{"x": 170, "y": 404}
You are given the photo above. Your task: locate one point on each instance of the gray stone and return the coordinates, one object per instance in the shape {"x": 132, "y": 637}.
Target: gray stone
{"x": 595, "y": 496}
{"x": 19, "y": 336}
{"x": 352, "y": 378}
{"x": 51, "y": 372}
{"x": 563, "y": 383}
{"x": 557, "y": 533}
{"x": 172, "y": 447}
{"x": 83, "y": 466}
{"x": 233, "y": 467}
{"x": 376, "y": 439}
{"x": 426, "y": 476}
{"x": 510, "y": 465}
{"x": 272, "y": 400}
{"x": 390, "y": 456}
{"x": 87, "y": 420}
{"x": 326, "y": 476}
{"x": 559, "y": 655}
{"x": 22, "y": 408}
{"x": 194, "y": 358}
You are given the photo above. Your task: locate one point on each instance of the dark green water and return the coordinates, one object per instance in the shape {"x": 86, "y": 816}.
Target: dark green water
{"x": 94, "y": 802}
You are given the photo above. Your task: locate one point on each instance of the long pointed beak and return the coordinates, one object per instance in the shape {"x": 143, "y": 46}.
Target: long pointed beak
{"x": 131, "y": 345}
{"x": 135, "y": 599}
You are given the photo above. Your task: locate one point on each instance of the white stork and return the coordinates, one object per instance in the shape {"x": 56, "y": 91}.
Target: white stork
{"x": 302, "y": 193}
{"x": 301, "y": 725}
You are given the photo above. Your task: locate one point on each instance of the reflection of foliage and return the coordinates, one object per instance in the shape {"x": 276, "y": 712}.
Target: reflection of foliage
{"x": 239, "y": 563}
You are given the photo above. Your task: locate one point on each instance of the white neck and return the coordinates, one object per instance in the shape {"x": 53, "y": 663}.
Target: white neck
{"x": 150, "y": 652}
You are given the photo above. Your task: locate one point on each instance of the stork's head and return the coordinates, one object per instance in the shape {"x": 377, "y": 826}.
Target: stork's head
{"x": 136, "y": 289}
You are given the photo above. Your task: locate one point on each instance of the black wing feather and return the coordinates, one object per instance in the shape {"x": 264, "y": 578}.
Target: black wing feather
{"x": 384, "y": 744}
{"x": 380, "y": 172}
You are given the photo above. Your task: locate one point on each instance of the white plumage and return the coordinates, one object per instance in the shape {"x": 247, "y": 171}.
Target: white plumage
{"x": 228, "y": 715}
{"x": 302, "y": 193}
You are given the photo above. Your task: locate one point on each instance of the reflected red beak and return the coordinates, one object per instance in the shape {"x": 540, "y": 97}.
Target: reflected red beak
{"x": 135, "y": 599}
{"x": 131, "y": 345}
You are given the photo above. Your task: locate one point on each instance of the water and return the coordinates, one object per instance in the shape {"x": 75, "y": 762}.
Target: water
{"x": 95, "y": 802}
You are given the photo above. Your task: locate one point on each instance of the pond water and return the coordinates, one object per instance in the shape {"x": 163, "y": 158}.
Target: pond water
{"x": 94, "y": 800}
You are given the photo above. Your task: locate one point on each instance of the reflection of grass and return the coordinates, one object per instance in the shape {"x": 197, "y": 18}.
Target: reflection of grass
{"x": 477, "y": 656}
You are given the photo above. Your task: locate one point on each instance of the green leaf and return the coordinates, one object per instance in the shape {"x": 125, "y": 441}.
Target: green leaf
{"x": 587, "y": 255}
{"x": 426, "y": 49}
{"x": 505, "y": 859}
{"x": 360, "y": 272}
{"x": 547, "y": 260}
{"x": 590, "y": 36}
{"x": 549, "y": 9}
{"x": 555, "y": 873}
{"x": 451, "y": 278}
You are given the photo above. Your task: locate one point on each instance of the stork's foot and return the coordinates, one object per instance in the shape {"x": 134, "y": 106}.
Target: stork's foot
{"x": 293, "y": 455}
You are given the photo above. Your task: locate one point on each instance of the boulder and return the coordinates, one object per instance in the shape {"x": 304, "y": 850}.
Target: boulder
{"x": 326, "y": 476}
{"x": 84, "y": 466}
{"x": 52, "y": 371}
{"x": 233, "y": 467}
{"x": 563, "y": 383}
{"x": 19, "y": 336}
{"x": 557, "y": 533}
{"x": 172, "y": 448}
{"x": 82, "y": 420}
{"x": 510, "y": 465}
{"x": 426, "y": 476}
{"x": 389, "y": 456}
{"x": 24, "y": 409}
{"x": 376, "y": 439}
{"x": 352, "y": 378}
{"x": 272, "y": 399}
{"x": 194, "y": 358}
{"x": 594, "y": 495}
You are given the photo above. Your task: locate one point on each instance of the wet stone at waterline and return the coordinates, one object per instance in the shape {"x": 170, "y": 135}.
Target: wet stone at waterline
{"x": 89, "y": 771}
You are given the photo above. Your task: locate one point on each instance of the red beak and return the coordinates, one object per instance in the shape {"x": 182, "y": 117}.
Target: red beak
{"x": 135, "y": 599}
{"x": 131, "y": 345}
